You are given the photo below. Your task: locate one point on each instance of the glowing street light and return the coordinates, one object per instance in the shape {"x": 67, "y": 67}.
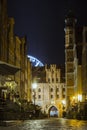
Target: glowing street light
{"x": 34, "y": 86}
{"x": 63, "y": 102}
{"x": 79, "y": 97}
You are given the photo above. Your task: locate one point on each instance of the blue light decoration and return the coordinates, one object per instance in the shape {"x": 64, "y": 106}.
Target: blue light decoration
{"x": 35, "y": 61}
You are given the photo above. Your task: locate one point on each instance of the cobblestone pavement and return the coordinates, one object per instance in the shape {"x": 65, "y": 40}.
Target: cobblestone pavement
{"x": 49, "y": 124}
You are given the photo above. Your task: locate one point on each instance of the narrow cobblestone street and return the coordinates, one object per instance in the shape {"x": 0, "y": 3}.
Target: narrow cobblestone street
{"x": 49, "y": 124}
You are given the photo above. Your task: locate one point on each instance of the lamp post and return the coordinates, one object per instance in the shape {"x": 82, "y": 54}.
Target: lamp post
{"x": 34, "y": 86}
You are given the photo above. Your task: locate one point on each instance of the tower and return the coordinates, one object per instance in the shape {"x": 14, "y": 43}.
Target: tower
{"x": 70, "y": 56}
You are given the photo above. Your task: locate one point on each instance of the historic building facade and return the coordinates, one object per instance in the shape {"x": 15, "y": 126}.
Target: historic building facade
{"x": 75, "y": 61}
{"x": 51, "y": 90}
{"x": 84, "y": 64}
{"x": 70, "y": 57}
{"x": 14, "y": 66}
{"x": 55, "y": 88}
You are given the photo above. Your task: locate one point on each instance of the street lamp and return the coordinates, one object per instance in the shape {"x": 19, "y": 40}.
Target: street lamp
{"x": 79, "y": 97}
{"x": 63, "y": 108}
{"x": 63, "y": 102}
{"x": 34, "y": 86}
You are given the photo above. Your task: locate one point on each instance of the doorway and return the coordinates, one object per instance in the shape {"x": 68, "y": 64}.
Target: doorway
{"x": 53, "y": 112}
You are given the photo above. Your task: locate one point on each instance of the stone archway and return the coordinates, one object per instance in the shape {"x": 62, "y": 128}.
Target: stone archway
{"x": 53, "y": 111}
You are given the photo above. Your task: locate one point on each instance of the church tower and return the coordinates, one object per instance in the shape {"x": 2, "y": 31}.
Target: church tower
{"x": 70, "y": 55}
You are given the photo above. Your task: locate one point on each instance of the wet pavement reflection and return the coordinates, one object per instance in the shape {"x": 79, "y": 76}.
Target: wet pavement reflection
{"x": 49, "y": 124}
{"x": 54, "y": 124}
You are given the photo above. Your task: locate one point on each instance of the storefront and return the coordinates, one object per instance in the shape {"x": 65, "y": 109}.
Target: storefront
{"x": 6, "y": 72}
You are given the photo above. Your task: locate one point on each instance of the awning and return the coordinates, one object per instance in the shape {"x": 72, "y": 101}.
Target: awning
{"x": 8, "y": 69}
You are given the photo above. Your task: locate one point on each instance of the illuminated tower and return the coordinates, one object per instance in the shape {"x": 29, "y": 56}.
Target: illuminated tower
{"x": 70, "y": 56}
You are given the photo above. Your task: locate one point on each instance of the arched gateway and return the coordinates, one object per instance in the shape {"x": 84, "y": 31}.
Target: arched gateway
{"x": 53, "y": 112}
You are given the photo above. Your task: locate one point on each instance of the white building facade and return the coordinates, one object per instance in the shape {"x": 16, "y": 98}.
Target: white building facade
{"x": 52, "y": 92}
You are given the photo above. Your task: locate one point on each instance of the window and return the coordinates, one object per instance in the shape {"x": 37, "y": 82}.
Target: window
{"x": 52, "y": 79}
{"x": 51, "y": 96}
{"x": 39, "y": 96}
{"x": 70, "y": 40}
{"x": 51, "y": 89}
{"x": 57, "y": 89}
{"x": 63, "y": 96}
{"x": 48, "y": 79}
{"x": 70, "y": 31}
{"x": 63, "y": 89}
{"x": 56, "y": 79}
{"x": 39, "y": 90}
{"x": 57, "y": 96}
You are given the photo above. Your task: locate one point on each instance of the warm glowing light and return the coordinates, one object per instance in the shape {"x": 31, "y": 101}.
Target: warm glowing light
{"x": 64, "y": 102}
{"x": 73, "y": 98}
{"x": 34, "y": 85}
{"x": 52, "y": 102}
{"x": 11, "y": 84}
{"x": 79, "y": 97}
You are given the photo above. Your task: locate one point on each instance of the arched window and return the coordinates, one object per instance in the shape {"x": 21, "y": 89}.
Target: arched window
{"x": 63, "y": 89}
{"x": 51, "y": 89}
{"x": 39, "y": 90}
{"x": 51, "y": 96}
{"x": 39, "y": 96}
{"x": 57, "y": 89}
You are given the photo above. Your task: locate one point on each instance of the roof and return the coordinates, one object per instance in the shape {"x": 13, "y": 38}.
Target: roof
{"x": 8, "y": 69}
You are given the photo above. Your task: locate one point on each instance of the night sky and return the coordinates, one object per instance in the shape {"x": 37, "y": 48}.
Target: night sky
{"x": 42, "y": 21}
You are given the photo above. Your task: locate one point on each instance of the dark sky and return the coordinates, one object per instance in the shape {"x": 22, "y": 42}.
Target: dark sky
{"x": 42, "y": 21}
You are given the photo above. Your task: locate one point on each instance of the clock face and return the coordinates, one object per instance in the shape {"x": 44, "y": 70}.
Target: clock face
{"x": 35, "y": 61}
